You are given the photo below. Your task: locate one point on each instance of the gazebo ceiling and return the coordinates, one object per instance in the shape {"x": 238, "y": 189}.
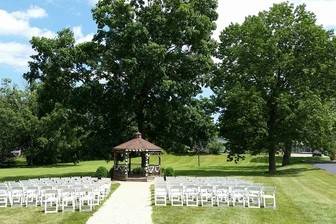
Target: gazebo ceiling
{"x": 137, "y": 144}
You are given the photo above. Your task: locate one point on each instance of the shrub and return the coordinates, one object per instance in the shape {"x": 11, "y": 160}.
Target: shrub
{"x": 169, "y": 171}
{"x": 138, "y": 170}
{"x": 111, "y": 173}
{"x": 101, "y": 172}
{"x": 215, "y": 147}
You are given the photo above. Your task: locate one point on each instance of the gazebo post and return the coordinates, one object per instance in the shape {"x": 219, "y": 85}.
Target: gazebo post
{"x": 146, "y": 163}
{"x": 126, "y": 165}
{"x": 115, "y": 159}
{"x": 143, "y": 159}
{"x": 129, "y": 164}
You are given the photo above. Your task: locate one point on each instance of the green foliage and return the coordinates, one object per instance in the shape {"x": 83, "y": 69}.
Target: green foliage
{"x": 78, "y": 119}
{"x": 111, "y": 171}
{"x": 159, "y": 54}
{"x": 146, "y": 65}
{"x": 16, "y": 120}
{"x": 193, "y": 128}
{"x": 169, "y": 171}
{"x": 275, "y": 82}
{"x": 332, "y": 155}
{"x": 138, "y": 171}
{"x": 57, "y": 139}
{"x": 101, "y": 172}
{"x": 215, "y": 147}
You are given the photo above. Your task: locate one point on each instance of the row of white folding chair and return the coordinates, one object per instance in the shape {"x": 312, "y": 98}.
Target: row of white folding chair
{"x": 237, "y": 195}
{"x": 34, "y": 195}
{"x": 68, "y": 199}
{"x": 203, "y": 179}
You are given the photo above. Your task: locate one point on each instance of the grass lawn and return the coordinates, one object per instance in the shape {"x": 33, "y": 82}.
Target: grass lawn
{"x": 34, "y": 215}
{"x": 86, "y": 168}
{"x": 304, "y": 194}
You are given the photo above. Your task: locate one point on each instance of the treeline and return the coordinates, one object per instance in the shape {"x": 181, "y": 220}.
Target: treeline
{"x": 148, "y": 62}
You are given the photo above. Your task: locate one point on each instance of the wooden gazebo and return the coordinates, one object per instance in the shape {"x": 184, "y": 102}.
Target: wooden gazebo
{"x": 136, "y": 147}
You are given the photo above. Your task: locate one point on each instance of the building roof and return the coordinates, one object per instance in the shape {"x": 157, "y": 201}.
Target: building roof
{"x": 137, "y": 144}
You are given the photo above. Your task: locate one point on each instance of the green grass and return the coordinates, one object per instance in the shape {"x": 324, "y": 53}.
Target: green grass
{"x": 86, "y": 168}
{"x": 304, "y": 194}
{"x": 33, "y": 215}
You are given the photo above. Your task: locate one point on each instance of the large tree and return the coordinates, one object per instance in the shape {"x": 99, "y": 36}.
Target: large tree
{"x": 273, "y": 66}
{"x": 16, "y": 120}
{"x": 143, "y": 71}
{"x": 155, "y": 56}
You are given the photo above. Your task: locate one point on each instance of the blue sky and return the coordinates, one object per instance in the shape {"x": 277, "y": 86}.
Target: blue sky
{"x": 22, "y": 19}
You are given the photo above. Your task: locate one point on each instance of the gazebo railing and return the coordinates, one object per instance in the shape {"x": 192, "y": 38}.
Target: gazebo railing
{"x": 153, "y": 170}
{"x": 120, "y": 170}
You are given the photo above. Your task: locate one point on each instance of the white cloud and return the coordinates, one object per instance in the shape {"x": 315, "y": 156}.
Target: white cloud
{"x": 236, "y": 10}
{"x": 31, "y": 13}
{"x": 79, "y": 36}
{"x": 92, "y": 2}
{"x": 323, "y": 9}
{"x": 18, "y": 23}
{"x": 15, "y": 54}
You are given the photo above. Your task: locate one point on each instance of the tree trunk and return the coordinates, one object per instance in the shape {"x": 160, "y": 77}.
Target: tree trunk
{"x": 198, "y": 159}
{"x": 287, "y": 154}
{"x": 271, "y": 161}
{"x": 271, "y": 124}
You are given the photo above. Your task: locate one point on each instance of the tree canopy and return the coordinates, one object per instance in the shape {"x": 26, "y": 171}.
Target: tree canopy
{"x": 16, "y": 120}
{"x": 143, "y": 70}
{"x": 276, "y": 75}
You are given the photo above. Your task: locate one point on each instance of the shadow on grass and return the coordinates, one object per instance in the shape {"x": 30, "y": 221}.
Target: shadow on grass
{"x": 242, "y": 171}
{"x": 60, "y": 165}
{"x": 293, "y": 160}
{"x": 16, "y": 178}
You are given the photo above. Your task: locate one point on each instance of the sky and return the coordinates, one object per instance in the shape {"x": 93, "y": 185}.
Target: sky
{"x": 22, "y": 19}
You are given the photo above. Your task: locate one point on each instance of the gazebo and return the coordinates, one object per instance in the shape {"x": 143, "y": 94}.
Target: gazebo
{"x": 136, "y": 147}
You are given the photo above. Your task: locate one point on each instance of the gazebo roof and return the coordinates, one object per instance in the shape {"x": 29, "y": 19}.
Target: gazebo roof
{"x": 137, "y": 144}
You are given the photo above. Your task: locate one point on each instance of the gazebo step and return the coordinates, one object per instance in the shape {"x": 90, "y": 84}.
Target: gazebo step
{"x": 140, "y": 179}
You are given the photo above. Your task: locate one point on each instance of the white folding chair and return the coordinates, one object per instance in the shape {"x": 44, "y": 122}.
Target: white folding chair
{"x": 176, "y": 195}
{"x": 253, "y": 196}
{"x": 206, "y": 195}
{"x": 85, "y": 200}
{"x": 238, "y": 196}
{"x": 97, "y": 195}
{"x": 68, "y": 200}
{"x": 16, "y": 196}
{"x": 268, "y": 194}
{"x": 191, "y": 195}
{"x": 222, "y": 194}
{"x": 3, "y": 198}
{"x": 42, "y": 190}
{"x": 51, "y": 200}
{"x": 160, "y": 196}
{"x": 31, "y": 195}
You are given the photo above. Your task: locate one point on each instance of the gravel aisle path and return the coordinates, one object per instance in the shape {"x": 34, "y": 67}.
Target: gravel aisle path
{"x": 129, "y": 204}
{"x": 331, "y": 167}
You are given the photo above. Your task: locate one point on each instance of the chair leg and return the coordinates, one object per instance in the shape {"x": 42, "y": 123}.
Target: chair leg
{"x": 274, "y": 205}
